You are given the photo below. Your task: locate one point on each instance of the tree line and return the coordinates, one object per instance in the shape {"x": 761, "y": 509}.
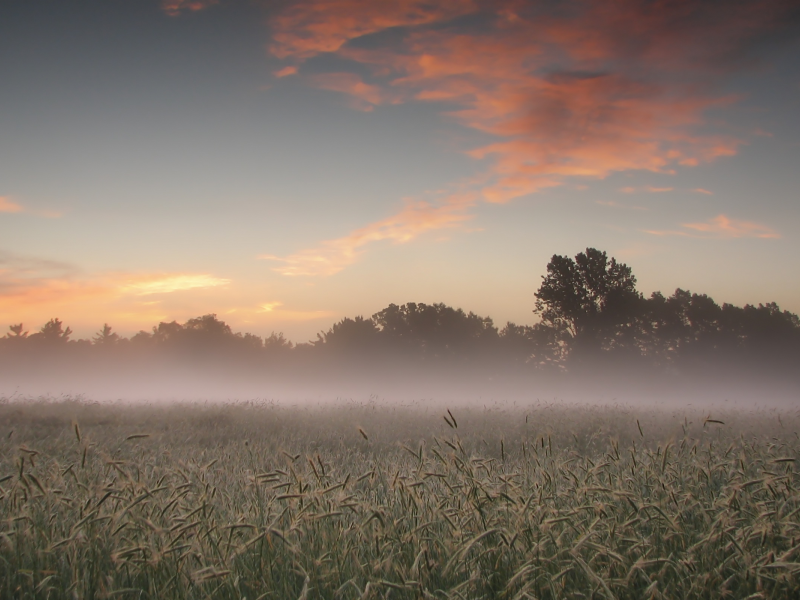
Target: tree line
{"x": 591, "y": 316}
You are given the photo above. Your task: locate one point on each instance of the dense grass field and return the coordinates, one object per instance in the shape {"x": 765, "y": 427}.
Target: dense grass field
{"x": 375, "y": 501}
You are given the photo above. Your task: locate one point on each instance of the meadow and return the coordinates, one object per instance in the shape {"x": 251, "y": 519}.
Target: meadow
{"x": 365, "y": 500}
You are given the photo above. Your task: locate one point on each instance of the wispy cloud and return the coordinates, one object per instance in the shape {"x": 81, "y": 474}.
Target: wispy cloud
{"x": 646, "y": 189}
{"x": 577, "y": 92}
{"x": 364, "y": 95}
{"x": 613, "y": 204}
{"x": 416, "y": 218}
{"x": 175, "y": 7}
{"x": 276, "y": 311}
{"x": 27, "y": 282}
{"x": 702, "y": 191}
{"x": 8, "y": 206}
{"x": 286, "y": 71}
{"x": 31, "y": 284}
{"x": 308, "y": 28}
{"x": 721, "y": 227}
{"x": 269, "y": 306}
{"x": 165, "y": 284}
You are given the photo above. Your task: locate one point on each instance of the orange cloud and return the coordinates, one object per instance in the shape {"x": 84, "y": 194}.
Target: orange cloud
{"x": 307, "y": 28}
{"x": 416, "y": 218}
{"x": 571, "y": 93}
{"x": 365, "y": 95}
{"x": 23, "y": 294}
{"x": 702, "y": 191}
{"x": 41, "y": 287}
{"x": 648, "y": 188}
{"x": 725, "y": 227}
{"x": 275, "y": 310}
{"x": 165, "y": 284}
{"x": 583, "y": 91}
{"x": 722, "y": 227}
{"x": 286, "y": 71}
{"x": 8, "y": 206}
{"x": 175, "y": 7}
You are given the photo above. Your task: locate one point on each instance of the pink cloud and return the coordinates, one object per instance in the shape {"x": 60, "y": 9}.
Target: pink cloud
{"x": 591, "y": 89}
{"x": 415, "y": 219}
{"x": 722, "y": 227}
{"x": 9, "y": 206}
{"x": 577, "y": 95}
{"x": 286, "y": 71}
{"x": 568, "y": 92}
{"x": 44, "y": 288}
{"x": 365, "y": 96}
{"x": 311, "y": 27}
{"x": 175, "y": 7}
{"x": 647, "y": 188}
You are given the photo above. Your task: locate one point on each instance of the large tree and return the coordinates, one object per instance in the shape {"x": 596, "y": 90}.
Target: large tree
{"x": 590, "y": 302}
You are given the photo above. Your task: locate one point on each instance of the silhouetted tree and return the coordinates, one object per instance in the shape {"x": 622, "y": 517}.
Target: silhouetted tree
{"x": 693, "y": 331}
{"x": 277, "y": 343}
{"x": 105, "y": 337}
{"x": 350, "y": 336}
{"x": 17, "y": 332}
{"x": 250, "y": 341}
{"x": 166, "y": 332}
{"x": 590, "y": 302}
{"x": 435, "y": 330}
{"x": 589, "y": 308}
{"x": 209, "y": 326}
{"x": 53, "y": 332}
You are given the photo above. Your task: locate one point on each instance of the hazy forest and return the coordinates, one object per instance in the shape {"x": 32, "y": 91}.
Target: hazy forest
{"x": 593, "y": 323}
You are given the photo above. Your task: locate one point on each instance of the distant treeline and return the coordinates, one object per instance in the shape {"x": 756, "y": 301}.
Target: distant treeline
{"x": 591, "y": 317}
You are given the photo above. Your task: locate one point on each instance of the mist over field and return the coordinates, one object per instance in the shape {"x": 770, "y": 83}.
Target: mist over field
{"x": 598, "y": 340}
{"x": 176, "y": 380}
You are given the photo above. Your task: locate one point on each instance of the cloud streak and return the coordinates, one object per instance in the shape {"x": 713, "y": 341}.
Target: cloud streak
{"x": 415, "y": 219}
{"x": 580, "y": 90}
{"x": 364, "y": 96}
{"x": 30, "y": 285}
{"x": 8, "y": 206}
{"x": 647, "y": 189}
{"x": 166, "y": 284}
{"x": 721, "y": 227}
{"x": 175, "y": 8}
{"x": 274, "y": 310}
{"x": 306, "y": 28}
{"x": 613, "y": 204}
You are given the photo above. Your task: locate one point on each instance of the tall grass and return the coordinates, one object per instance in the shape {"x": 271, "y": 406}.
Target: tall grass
{"x": 369, "y": 501}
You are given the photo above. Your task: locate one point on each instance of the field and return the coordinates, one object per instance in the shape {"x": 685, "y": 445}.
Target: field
{"x": 369, "y": 500}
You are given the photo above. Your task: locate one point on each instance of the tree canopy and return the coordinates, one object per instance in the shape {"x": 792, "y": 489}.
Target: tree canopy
{"x": 590, "y": 313}
{"x": 590, "y": 302}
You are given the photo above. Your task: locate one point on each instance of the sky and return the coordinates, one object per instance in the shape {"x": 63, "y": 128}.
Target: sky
{"x": 286, "y": 164}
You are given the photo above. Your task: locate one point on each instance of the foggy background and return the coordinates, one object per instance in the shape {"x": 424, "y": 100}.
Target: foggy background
{"x": 598, "y": 340}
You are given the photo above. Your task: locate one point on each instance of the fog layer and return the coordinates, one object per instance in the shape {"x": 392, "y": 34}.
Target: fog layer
{"x": 598, "y": 340}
